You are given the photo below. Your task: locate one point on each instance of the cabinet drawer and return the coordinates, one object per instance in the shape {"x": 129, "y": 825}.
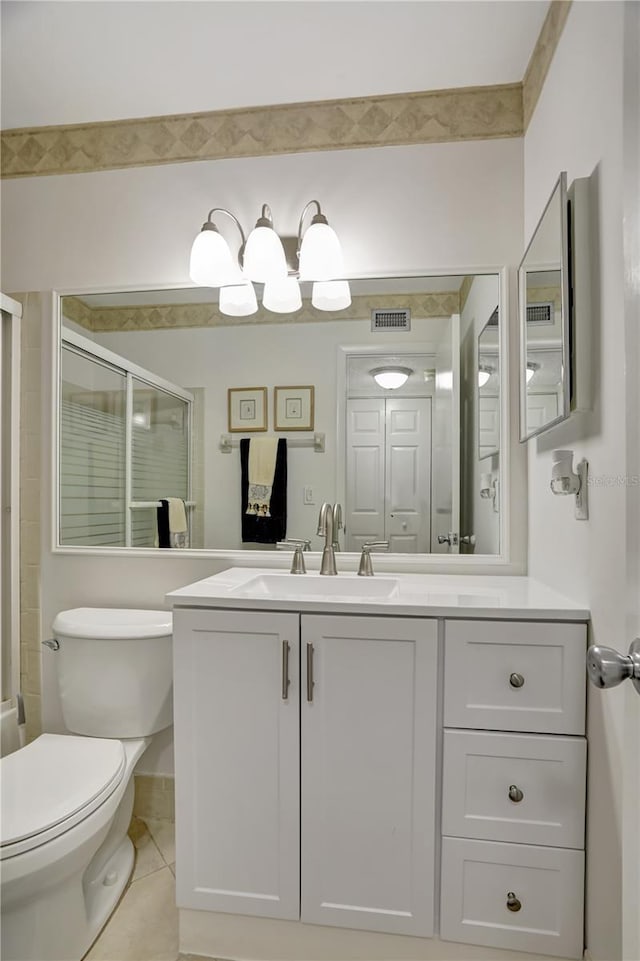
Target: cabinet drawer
{"x": 478, "y": 878}
{"x": 514, "y": 787}
{"x": 515, "y": 676}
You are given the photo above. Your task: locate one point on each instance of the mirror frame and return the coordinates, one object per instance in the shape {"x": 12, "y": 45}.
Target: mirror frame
{"x": 564, "y": 406}
{"x": 398, "y": 563}
{"x": 496, "y": 450}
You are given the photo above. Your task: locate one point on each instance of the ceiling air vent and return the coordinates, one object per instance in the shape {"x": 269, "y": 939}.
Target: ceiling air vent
{"x": 540, "y": 313}
{"x": 391, "y": 320}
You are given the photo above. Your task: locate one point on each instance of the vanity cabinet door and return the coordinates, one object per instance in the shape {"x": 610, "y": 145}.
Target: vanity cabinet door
{"x": 237, "y": 762}
{"x": 369, "y": 695}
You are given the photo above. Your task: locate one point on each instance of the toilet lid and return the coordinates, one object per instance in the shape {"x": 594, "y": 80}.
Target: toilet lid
{"x": 112, "y": 623}
{"x": 53, "y": 783}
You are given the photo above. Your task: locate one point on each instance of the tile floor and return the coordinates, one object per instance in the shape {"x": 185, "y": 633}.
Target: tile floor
{"x": 144, "y": 926}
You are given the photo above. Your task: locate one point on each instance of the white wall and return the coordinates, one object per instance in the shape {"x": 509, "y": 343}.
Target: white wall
{"x": 214, "y": 56}
{"x": 577, "y": 127}
{"x": 422, "y": 208}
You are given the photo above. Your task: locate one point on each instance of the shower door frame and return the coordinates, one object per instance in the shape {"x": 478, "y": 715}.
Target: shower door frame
{"x": 87, "y": 348}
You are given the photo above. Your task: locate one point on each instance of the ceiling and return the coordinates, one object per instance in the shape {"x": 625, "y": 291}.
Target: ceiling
{"x": 84, "y": 61}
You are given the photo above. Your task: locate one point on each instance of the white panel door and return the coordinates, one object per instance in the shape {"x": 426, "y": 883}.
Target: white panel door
{"x": 408, "y": 474}
{"x": 237, "y": 762}
{"x": 541, "y": 408}
{"x": 488, "y": 425}
{"x": 368, "y": 790}
{"x": 365, "y": 515}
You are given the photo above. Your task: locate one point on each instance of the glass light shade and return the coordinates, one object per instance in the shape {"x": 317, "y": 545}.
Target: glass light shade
{"x": 211, "y": 263}
{"x": 282, "y": 296}
{"x": 264, "y": 256}
{"x": 391, "y": 377}
{"x": 238, "y": 301}
{"x": 483, "y": 377}
{"x": 331, "y": 295}
{"x": 320, "y": 254}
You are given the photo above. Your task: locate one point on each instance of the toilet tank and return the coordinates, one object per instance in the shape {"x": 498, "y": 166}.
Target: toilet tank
{"x": 115, "y": 671}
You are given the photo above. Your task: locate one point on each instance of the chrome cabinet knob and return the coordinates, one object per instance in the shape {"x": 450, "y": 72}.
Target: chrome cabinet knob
{"x": 608, "y": 668}
{"x": 515, "y": 794}
{"x": 513, "y": 903}
{"x": 469, "y": 539}
{"x": 516, "y": 680}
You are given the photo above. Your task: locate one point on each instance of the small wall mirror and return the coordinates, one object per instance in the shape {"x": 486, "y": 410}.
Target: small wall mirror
{"x": 543, "y": 287}
{"x": 488, "y": 398}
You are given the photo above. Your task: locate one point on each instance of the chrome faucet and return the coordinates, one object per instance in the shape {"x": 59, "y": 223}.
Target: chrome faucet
{"x": 337, "y": 525}
{"x": 326, "y": 530}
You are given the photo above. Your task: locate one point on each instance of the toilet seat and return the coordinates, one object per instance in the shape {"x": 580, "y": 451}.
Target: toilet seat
{"x": 54, "y": 783}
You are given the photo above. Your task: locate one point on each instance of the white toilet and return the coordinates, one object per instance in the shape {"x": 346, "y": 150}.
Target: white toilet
{"x": 67, "y": 800}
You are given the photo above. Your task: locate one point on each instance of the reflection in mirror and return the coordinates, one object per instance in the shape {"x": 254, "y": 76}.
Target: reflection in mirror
{"x": 144, "y": 419}
{"x": 544, "y": 320}
{"x": 489, "y": 388}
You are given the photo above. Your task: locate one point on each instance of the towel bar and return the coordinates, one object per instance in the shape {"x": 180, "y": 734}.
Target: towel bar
{"x": 227, "y": 443}
{"x": 140, "y": 505}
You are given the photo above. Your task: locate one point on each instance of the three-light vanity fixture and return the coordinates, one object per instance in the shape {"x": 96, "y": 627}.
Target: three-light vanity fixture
{"x": 262, "y": 260}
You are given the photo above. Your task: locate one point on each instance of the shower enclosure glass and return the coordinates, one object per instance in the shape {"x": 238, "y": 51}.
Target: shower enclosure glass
{"x": 125, "y": 443}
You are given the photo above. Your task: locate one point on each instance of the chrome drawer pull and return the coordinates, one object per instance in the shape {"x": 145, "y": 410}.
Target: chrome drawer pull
{"x": 516, "y": 680}
{"x": 285, "y": 671}
{"x": 515, "y": 794}
{"x": 512, "y": 902}
{"x": 310, "y": 681}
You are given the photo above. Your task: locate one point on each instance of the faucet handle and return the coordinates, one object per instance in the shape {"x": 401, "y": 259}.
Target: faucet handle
{"x": 297, "y": 562}
{"x": 293, "y": 542}
{"x": 366, "y": 567}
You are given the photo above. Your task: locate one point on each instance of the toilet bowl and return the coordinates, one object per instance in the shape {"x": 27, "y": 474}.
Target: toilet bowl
{"x": 67, "y": 799}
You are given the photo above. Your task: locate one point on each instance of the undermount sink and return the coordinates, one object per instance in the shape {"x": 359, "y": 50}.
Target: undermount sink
{"x": 315, "y": 585}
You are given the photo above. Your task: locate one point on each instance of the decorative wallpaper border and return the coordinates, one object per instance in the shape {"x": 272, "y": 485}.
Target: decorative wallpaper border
{"x": 177, "y": 316}
{"x": 536, "y": 72}
{"x": 434, "y": 116}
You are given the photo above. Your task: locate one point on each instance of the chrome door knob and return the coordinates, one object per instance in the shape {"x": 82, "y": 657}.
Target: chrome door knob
{"x": 608, "y": 668}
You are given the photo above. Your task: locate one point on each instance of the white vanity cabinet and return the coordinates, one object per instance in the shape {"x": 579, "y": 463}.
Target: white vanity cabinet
{"x": 349, "y": 700}
{"x": 237, "y": 761}
{"x": 513, "y": 792}
{"x": 368, "y": 762}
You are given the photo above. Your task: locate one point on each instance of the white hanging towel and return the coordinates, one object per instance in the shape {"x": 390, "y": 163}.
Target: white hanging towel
{"x": 177, "y": 516}
{"x": 262, "y": 466}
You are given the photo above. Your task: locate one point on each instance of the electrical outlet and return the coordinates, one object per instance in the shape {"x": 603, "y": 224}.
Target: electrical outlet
{"x": 308, "y": 495}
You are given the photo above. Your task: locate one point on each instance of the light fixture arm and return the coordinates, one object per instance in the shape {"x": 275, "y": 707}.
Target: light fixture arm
{"x": 210, "y": 225}
{"x": 318, "y": 218}
{"x": 266, "y": 217}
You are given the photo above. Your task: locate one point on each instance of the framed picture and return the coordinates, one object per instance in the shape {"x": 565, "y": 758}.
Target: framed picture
{"x": 293, "y": 408}
{"x": 247, "y": 408}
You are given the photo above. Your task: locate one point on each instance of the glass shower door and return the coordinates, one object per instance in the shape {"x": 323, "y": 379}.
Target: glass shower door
{"x": 92, "y": 452}
{"x": 160, "y": 465}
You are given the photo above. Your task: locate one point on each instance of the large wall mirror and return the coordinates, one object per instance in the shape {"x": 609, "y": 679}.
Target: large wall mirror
{"x": 543, "y": 284}
{"x": 160, "y": 395}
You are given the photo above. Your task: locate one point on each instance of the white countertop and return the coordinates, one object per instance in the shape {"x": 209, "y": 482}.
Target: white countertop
{"x": 427, "y": 595}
